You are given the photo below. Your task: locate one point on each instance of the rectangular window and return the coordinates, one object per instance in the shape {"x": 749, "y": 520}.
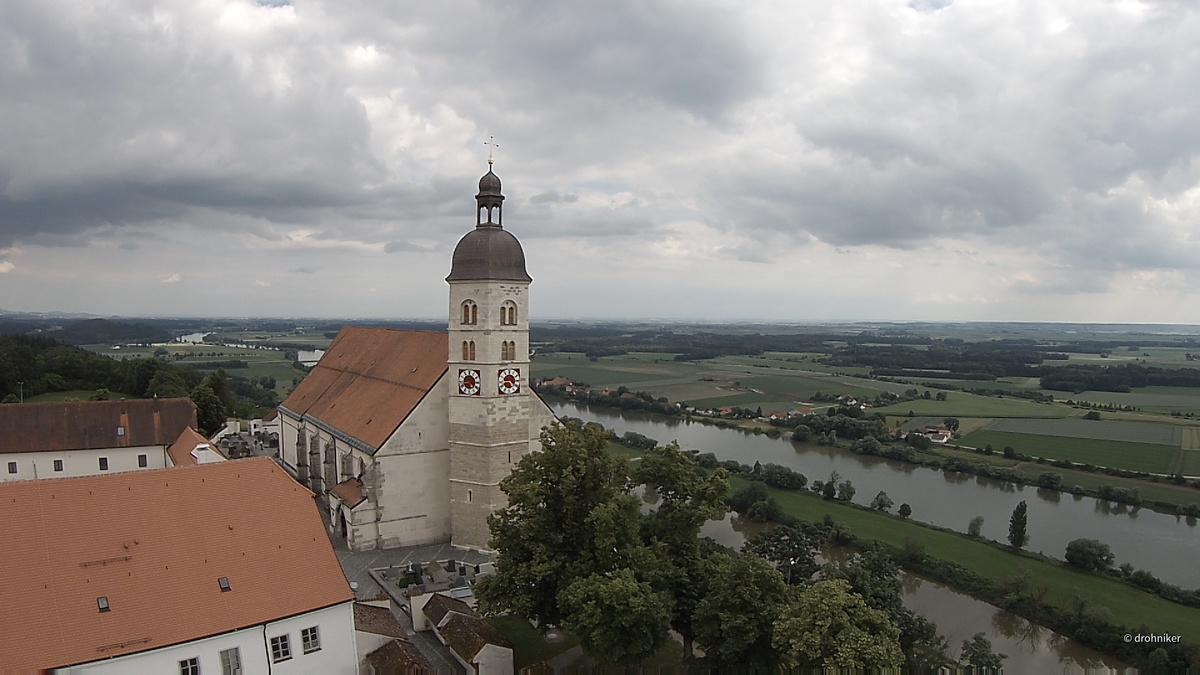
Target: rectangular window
{"x": 310, "y": 640}
{"x": 12, "y": 467}
{"x": 231, "y": 662}
{"x": 190, "y": 666}
{"x": 143, "y": 461}
{"x": 58, "y": 465}
{"x": 281, "y": 649}
{"x": 120, "y": 431}
{"x": 104, "y": 464}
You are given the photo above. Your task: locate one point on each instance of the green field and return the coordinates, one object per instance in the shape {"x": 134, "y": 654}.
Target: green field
{"x": 1180, "y": 495}
{"x": 260, "y": 362}
{"x": 75, "y": 395}
{"x": 961, "y": 404}
{"x": 1104, "y": 430}
{"x": 1128, "y": 605}
{"x": 1147, "y": 457}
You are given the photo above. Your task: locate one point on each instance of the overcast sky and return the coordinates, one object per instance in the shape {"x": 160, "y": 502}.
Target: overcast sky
{"x": 690, "y": 159}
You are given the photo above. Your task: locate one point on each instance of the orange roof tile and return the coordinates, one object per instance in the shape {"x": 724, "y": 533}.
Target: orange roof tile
{"x": 85, "y": 425}
{"x": 149, "y": 540}
{"x": 440, "y": 605}
{"x": 370, "y": 379}
{"x": 376, "y": 620}
{"x": 349, "y": 491}
{"x": 467, "y": 635}
{"x": 180, "y": 451}
{"x": 399, "y": 657}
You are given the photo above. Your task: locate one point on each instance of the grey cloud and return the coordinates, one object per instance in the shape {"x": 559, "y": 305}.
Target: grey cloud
{"x": 553, "y": 197}
{"x": 303, "y": 270}
{"x": 403, "y": 247}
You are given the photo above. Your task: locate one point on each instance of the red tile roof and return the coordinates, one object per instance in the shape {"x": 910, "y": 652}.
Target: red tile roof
{"x": 86, "y": 425}
{"x": 440, "y": 605}
{"x": 155, "y": 541}
{"x": 468, "y": 635}
{"x": 370, "y": 379}
{"x": 349, "y": 491}
{"x": 180, "y": 451}
{"x": 399, "y": 657}
{"x": 376, "y": 620}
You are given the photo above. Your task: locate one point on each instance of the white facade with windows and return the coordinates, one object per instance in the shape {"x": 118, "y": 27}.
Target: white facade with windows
{"x": 329, "y": 648}
{"x": 31, "y": 465}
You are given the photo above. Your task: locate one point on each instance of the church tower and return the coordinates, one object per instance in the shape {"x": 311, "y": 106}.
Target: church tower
{"x": 488, "y": 366}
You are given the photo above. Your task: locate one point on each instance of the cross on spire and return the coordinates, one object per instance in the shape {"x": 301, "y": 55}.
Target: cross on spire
{"x": 492, "y": 145}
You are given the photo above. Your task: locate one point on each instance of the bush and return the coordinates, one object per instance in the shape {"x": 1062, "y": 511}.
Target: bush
{"x": 1089, "y": 554}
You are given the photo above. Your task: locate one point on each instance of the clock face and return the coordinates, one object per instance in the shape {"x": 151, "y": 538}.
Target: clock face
{"x": 510, "y": 381}
{"x": 468, "y": 382}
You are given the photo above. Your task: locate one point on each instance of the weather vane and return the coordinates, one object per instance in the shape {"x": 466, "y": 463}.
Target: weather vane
{"x": 491, "y": 143}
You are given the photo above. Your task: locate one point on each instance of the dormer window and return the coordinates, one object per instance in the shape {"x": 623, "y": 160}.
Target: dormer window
{"x": 102, "y": 603}
{"x": 470, "y": 313}
{"x": 223, "y": 583}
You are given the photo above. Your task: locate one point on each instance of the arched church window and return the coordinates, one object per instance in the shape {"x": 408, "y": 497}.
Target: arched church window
{"x": 468, "y": 350}
{"x": 470, "y": 313}
{"x": 508, "y": 313}
{"x": 508, "y": 350}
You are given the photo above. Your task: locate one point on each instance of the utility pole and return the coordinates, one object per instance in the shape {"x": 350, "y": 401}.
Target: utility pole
{"x": 22, "y": 386}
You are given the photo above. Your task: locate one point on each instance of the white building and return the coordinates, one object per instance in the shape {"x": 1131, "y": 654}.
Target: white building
{"x": 408, "y": 433}
{"x": 179, "y": 570}
{"x": 83, "y": 438}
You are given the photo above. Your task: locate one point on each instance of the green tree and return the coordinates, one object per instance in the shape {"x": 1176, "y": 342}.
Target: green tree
{"x": 210, "y": 412}
{"x": 1017, "y": 523}
{"x": 1051, "y": 480}
{"x": 1089, "y": 554}
{"x": 569, "y": 516}
{"x": 166, "y": 383}
{"x": 791, "y": 551}
{"x": 742, "y": 598}
{"x": 828, "y": 626}
{"x": 882, "y": 502}
{"x": 687, "y": 500}
{"x": 975, "y": 527}
{"x": 978, "y": 657}
{"x": 618, "y": 619}
{"x": 845, "y": 490}
{"x": 905, "y": 511}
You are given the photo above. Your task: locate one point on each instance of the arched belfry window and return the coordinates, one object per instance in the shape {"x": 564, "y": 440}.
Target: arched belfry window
{"x": 508, "y": 313}
{"x": 508, "y": 350}
{"x": 468, "y": 350}
{"x": 470, "y": 313}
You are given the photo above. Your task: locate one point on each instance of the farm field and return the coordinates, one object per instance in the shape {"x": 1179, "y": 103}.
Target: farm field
{"x": 259, "y": 362}
{"x": 960, "y": 404}
{"x": 992, "y": 562}
{"x": 1157, "y": 399}
{"x": 1147, "y": 457}
{"x": 1108, "y": 430}
{"x": 1163, "y": 492}
{"x": 75, "y": 395}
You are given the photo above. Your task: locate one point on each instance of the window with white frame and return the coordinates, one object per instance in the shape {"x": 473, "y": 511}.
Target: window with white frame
{"x": 310, "y": 640}
{"x": 12, "y": 467}
{"x": 104, "y": 464}
{"x": 143, "y": 461}
{"x": 231, "y": 662}
{"x": 58, "y": 465}
{"x": 190, "y": 666}
{"x": 281, "y": 648}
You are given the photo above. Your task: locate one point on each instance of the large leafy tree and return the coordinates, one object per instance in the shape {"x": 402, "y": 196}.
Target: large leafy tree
{"x": 743, "y": 597}
{"x": 618, "y": 619}
{"x": 1089, "y": 554}
{"x": 687, "y": 499}
{"x": 569, "y": 517}
{"x": 829, "y": 626}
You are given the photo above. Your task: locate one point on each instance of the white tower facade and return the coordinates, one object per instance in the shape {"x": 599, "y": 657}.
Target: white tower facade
{"x": 490, "y": 402}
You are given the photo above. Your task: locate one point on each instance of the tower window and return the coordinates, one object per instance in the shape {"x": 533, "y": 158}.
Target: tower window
{"x": 470, "y": 313}
{"x": 508, "y": 350}
{"x": 470, "y": 496}
{"x": 468, "y": 350}
{"x": 508, "y": 313}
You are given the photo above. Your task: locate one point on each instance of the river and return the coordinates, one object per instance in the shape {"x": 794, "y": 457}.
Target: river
{"x": 1030, "y": 647}
{"x": 1165, "y": 545}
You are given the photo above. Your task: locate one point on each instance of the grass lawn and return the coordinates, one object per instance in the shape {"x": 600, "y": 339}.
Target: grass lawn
{"x": 1128, "y": 605}
{"x": 1118, "y": 454}
{"x": 1180, "y": 495}
{"x": 529, "y": 646}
